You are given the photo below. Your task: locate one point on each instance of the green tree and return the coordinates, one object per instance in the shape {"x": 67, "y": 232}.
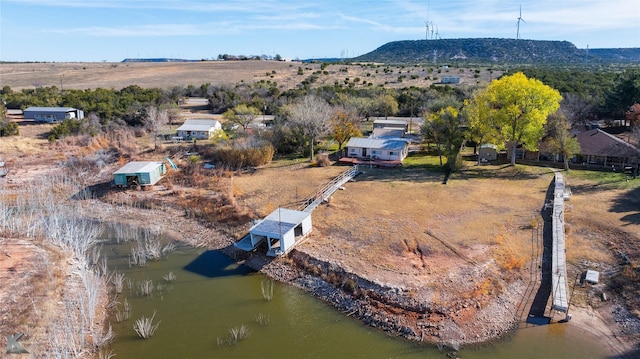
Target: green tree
{"x": 387, "y": 105}
{"x": 477, "y": 114}
{"x": 443, "y": 127}
{"x": 560, "y": 139}
{"x": 520, "y": 107}
{"x": 624, "y": 94}
{"x": 242, "y": 115}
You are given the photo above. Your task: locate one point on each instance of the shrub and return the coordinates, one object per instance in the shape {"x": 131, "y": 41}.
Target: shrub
{"x": 246, "y": 153}
{"x": 9, "y": 129}
{"x": 144, "y": 327}
{"x": 322, "y": 160}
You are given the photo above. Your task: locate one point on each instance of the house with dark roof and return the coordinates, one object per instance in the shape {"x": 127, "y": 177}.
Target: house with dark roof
{"x": 600, "y": 148}
{"x": 52, "y": 114}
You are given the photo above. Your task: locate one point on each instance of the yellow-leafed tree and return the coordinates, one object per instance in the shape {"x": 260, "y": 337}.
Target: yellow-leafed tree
{"x": 519, "y": 107}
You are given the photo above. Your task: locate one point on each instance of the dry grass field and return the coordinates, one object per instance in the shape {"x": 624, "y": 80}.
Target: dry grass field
{"x": 169, "y": 74}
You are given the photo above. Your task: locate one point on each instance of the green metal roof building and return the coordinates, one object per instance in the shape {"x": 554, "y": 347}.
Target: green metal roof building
{"x": 139, "y": 174}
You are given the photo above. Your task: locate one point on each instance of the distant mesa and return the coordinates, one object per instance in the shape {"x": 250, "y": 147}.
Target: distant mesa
{"x": 495, "y": 50}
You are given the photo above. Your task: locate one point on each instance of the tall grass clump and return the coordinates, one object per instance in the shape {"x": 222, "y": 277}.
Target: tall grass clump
{"x": 144, "y": 326}
{"x": 235, "y": 335}
{"x": 146, "y": 288}
{"x": 169, "y": 277}
{"x": 118, "y": 279}
{"x": 246, "y": 152}
{"x": 267, "y": 289}
{"x": 262, "y": 319}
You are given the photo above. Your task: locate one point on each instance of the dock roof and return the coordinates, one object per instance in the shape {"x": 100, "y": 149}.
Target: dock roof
{"x": 278, "y": 222}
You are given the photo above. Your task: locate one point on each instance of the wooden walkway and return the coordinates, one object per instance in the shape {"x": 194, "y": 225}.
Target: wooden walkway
{"x": 323, "y": 194}
{"x": 559, "y": 265}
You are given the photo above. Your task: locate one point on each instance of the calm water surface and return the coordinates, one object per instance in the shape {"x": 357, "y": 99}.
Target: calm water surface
{"x": 211, "y": 295}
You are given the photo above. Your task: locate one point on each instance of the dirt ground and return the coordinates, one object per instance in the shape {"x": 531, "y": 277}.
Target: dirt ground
{"x": 169, "y": 74}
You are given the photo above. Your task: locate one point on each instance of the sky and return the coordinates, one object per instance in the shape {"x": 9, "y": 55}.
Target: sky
{"x": 112, "y": 30}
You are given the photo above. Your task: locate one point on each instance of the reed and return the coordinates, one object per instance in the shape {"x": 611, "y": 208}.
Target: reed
{"x": 267, "y": 289}
{"x": 262, "y": 319}
{"x": 146, "y": 288}
{"x": 118, "y": 281}
{"x": 236, "y": 334}
{"x": 144, "y": 326}
{"x": 169, "y": 277}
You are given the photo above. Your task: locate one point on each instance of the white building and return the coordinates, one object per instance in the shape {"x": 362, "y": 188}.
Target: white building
{"x": 199, "y": 129}
{"x": 280, "y": 230}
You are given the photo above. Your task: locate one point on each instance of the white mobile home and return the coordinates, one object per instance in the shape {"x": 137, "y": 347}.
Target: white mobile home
{"x": 386, "y": 149}
{"x": 199, "y": 129}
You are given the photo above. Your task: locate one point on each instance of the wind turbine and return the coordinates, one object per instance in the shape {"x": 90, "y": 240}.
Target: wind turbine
{"x": 426, "y": 23}
{"x": 519, "y": 19}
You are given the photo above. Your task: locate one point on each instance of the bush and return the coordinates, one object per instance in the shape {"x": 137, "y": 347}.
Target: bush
{"x": 243, "y": 153}
{"x": 9, "y": 129}
{"x": 322, "y": 160}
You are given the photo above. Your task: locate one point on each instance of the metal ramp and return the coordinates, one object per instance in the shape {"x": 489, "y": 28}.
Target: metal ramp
{"x": 558, "y": 257}
{"x": 325, "y": 192}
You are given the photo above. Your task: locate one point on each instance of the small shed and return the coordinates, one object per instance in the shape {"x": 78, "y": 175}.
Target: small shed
{"x": 280, "y": 230}
{"x": 52, "y": 114}
{"x": 488, "y": 152}
{"x": 139, "y": 173}
{"x": 200, "y": 129}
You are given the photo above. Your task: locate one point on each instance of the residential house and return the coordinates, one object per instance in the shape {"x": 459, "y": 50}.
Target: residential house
{"x": 386, "y": 149}
{"x": 199, "y": 129}
{"x": 139, "y": 173}
{"x": 52, "y": 114}
{"x": 600, "y": 148}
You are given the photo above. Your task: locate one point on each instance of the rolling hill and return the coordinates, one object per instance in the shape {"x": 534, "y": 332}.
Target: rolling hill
{"x": 494, "y": 50}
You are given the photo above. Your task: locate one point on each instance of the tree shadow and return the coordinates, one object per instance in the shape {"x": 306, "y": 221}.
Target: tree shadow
{"x": 97, "y": 190}
{"x": 629, "y": 203}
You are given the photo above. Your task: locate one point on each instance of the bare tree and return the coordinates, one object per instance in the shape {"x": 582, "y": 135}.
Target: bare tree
{"x": 154, "y": 120}
{"x": 312, "y": 114}
{"x": 578, "y": 110}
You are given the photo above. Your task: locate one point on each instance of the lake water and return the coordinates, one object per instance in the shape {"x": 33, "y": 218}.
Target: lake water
{"x": 211, "y": 295}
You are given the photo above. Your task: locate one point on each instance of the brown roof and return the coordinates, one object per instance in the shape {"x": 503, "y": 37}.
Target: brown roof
{"x": 599, "y": 143}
